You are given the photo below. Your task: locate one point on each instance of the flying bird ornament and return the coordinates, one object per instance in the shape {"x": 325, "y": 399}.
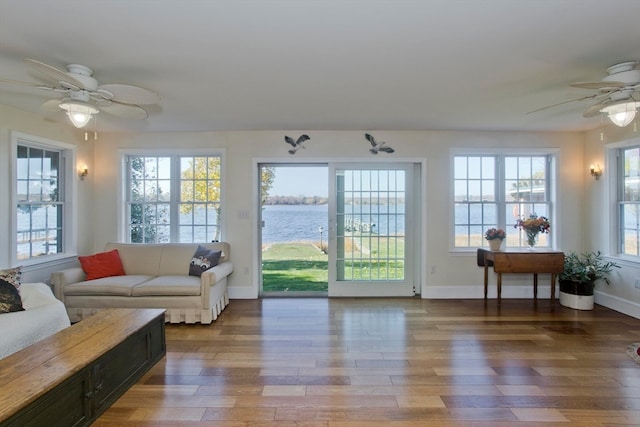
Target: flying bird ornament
{"x": 297, "y": 144}
{"x": 377, "y": 146}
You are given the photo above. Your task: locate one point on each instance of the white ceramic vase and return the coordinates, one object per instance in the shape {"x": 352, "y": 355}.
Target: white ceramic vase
{"x": 495, "y": 244}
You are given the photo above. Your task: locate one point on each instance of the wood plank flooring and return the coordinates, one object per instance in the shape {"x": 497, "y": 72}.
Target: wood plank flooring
{"x": 392, "y": 362}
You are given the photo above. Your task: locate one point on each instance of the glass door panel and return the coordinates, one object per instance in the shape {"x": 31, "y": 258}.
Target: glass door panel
{"x": 370, "y": 208}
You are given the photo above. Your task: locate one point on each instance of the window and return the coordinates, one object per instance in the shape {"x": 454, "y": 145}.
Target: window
{"x": 174, "y": 198}
{"x": 629, "y": 200}
{"x": 494, "y": 191}
{"x": 42, "y": 221}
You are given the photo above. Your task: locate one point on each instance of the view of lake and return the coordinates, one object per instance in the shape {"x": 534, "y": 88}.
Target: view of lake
{"x": 287, "y": 223}
{"x": 290, "y": 223}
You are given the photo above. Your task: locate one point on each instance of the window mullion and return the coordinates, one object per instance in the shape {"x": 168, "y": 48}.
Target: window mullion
{"x": 175, "y": 198}
{"x": 500, "y": 191}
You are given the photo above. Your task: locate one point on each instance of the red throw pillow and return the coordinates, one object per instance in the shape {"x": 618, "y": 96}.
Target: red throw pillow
{"x": 103, "y": 264}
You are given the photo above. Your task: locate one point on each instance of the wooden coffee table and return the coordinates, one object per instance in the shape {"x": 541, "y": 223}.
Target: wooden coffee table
{"x": 73, "y": 376}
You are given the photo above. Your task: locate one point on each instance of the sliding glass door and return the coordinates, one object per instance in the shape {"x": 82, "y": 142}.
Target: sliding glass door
{"x": 370, "y": 210}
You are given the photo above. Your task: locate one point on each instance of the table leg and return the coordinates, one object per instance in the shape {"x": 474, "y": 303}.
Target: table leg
{"x": 499, "y": 280}
{"x": 553, "y": 287}
{"x": 535, "y": 286}
{"x": 486, "y": 279}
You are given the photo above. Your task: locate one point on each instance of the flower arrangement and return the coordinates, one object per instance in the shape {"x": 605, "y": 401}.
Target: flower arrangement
{"x": 532, "y": 226}
{"x": 495, "y": 233}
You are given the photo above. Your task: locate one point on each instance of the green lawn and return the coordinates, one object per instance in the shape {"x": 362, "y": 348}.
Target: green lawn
{"x": 302, "y": 267}
{"x": 294, "y": 267}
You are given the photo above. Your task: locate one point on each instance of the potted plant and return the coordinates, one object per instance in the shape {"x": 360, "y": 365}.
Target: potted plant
{"x": 495, "y": 236}
{"x": 580, "y": 274}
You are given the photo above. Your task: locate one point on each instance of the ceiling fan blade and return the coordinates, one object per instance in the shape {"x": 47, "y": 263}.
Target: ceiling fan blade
{"x": 126, "y": 111}
{"x": 594, "y": 110}
{"x": 564, "y": 102}
{"x": 21, "y": 83}
{"x": 54, "y": 74}
{"x": 130, "y": 94}
{"x": 599, "y": 85}
{"x": 52, "y": 105}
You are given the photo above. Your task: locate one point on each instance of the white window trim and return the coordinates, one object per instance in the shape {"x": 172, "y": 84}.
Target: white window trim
{"x": 122, "y": 187}
{"x": 518, "y": 151}
{"x": 610, "y": 183}
{"x": 70, "y": 190}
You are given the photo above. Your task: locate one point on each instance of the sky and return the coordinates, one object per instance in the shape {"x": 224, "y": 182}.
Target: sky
{"x": 301, "y": 181}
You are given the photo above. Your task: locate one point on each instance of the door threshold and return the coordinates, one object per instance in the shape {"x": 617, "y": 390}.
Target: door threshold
{"x": 295, "y": 294}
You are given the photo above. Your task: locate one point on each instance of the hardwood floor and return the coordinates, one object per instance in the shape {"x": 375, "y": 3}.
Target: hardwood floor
{"x": 392, "y": 362}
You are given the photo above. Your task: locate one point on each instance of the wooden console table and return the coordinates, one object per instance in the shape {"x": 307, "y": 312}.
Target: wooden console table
{"x": 73, "y": 376}
{"x": 521, "y": 261}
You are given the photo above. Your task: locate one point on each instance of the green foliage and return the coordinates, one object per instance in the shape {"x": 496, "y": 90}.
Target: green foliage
{"x": 268, "y": 174}
{"x": 200, "y": 182}
{"x": 586, "y": 267}
{"x": 142, "y": 215}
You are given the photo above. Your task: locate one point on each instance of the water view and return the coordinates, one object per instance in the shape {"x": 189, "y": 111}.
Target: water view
{"x": 291, "y": 223}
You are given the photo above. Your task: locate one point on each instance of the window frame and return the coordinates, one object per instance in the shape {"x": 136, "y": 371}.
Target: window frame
{"x": 175, "y": 180}
{"x": 68, "y": 195}
{"x": 499, "y": 156}
{"x": 616, "y": 158}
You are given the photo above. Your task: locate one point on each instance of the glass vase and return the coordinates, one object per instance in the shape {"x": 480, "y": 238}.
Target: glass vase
{"x": 532, "y": 238}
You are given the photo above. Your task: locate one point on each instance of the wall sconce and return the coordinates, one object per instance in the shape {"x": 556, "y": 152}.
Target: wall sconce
{"x": 595, "y": 171}
{"x": 83, "y": 173}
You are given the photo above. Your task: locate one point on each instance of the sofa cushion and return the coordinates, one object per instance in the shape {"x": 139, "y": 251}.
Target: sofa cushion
{"x": 168, "y": 286}
{"x": 103, "y": 264}
{"x": 114, "y": 285}
{"x": 12, "y": 275}
{"x": 10, "y": 300}
{"x": 138, "y": 258}
{"x": 202, "y": 260}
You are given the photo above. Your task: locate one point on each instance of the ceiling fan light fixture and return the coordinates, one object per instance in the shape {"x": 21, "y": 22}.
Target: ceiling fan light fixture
{"x": 621, "y": 114}
{"x": 80, "y": 114}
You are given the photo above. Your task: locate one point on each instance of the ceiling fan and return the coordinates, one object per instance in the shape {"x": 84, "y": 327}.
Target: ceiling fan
{"x": 616, "y": 94}
{"x": 83, "y": 96}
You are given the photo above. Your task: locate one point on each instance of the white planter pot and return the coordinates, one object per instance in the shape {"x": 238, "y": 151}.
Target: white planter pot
{"x": 577, "y": 302}
{"x": 495, "y": 244}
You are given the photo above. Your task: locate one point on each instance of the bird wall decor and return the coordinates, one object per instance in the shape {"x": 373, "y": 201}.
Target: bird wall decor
{"x": 377, "y": 146}
{"x": 297, "y": 144}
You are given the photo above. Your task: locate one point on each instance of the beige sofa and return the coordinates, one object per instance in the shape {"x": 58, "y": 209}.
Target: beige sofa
{"x": 157, "y": 276}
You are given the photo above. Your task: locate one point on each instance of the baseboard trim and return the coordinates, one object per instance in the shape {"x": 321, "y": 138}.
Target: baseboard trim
{"x": 242, "y": 292}
{"x": 618, "y": 304}
{"x": 476, "y": 292}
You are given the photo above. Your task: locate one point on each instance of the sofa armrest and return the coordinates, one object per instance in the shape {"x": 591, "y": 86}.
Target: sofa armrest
{"x": 217, "y": 273}
{"x": 59, "y": 279}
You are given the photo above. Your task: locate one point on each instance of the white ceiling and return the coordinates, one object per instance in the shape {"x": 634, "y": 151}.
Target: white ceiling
{"x": 328, "y": 64}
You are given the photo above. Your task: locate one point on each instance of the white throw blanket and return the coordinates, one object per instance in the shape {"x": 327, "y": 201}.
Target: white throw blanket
{"x": 44, "y": 315}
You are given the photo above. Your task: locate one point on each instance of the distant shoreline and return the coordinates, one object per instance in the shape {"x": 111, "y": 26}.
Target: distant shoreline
{"x": 320, "y": 200}
{"x": 296, "y": 200}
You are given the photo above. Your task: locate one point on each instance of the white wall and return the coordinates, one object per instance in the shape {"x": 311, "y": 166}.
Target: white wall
{"x": 581, "y": 199}
{"x": 456, "y": 275}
